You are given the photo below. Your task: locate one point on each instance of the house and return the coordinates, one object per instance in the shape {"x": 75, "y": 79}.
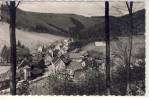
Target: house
{"x": 37, "y": 57}
{"x": 65, "y": 48}
{"x": 5, "y": 76}
{"x": 66, "y": 42}
{"x": 100, "y": 44}
{"x": 75, "y": 57}
{"x": 5, "y": 79}
{"x": 56, "y": 66}
{"x": 31, "y": 69}
{"x": 61, "y": 52}
{"x": 24, "y": 70}
{"x": 65, "y": 58}
{"x": 139, "y": 63}
{"x": 50, "y": 51}
{"x": 39, "y": 49}
{"x": 48, "y": 59}
{"x": 76, "y": 70}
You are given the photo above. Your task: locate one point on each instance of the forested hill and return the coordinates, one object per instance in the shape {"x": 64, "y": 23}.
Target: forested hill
{"x": 76, "y": 26}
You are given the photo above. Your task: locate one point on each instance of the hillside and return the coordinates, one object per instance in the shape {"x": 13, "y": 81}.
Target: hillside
{"x": 119, "y": 26}
{"x": 64, "y": 24}
{"x": 30, "y": 39}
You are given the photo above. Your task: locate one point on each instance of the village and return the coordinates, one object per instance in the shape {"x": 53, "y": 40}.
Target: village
{"x": 72, "y": 54}
{"x": 56, "y": 59}
{"x": 61, "y": 59}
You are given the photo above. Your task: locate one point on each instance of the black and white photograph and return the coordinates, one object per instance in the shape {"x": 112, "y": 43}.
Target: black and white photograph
{"x": 94, "y": 48}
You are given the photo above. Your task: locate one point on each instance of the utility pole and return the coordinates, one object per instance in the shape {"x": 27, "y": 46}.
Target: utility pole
{"x": 12, "y": 12}
{"x": 107, "y": 37}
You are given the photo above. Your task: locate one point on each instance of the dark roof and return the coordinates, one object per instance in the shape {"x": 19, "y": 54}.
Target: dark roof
{"x": 37, "y": 57}
{"x": 56, "y": 60}
{"x": 65, "y": 59}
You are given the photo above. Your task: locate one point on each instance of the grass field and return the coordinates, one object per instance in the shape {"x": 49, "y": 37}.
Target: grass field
{"x": 29, "y": 39}
{"x": 138, "y": 43}
{"x": 4, "y": 69}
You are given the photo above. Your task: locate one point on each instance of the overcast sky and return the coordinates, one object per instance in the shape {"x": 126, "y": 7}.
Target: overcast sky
{"x": 80, "y": 8}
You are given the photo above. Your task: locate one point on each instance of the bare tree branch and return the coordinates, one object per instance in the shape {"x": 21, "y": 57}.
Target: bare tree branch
{"x": 128, "y": 6}
{"x": 7, "y": 4}
{"x": 18, "y": 4}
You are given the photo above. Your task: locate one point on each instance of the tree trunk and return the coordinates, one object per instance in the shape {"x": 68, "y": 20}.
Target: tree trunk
{"x": 12, "y": 11}
{"x": 128, "y": 84}
{"x": 1, "y": 10}
{"x": 107, "y": 34}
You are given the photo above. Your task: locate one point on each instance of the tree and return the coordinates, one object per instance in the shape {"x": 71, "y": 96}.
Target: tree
{"x": 75, "y": 31}
{"x": 1, "y": 11}
{"x": 5, "y": 53}
{"x": 22, "y": 52}
{"x": 1, "y": 18}
{"x": 12, "y": 12}
{"x": 130, "y": 30}
{"x": 107, "y": 37}
{"x": 19, "y": 44}
{"x": 129, "y": 6}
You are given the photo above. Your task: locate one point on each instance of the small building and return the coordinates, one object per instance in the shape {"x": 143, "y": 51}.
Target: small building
{"x": 31, "y": 70}
{"x": 65, "y": 58}
{"x": 39, "y": 49}
{"x": 76, "y": 70}
{"x": 100, "y": 44}
{"x": 50, "y": 51}
{"x": 66, "y": 42}
{"x": 56, "y": 66}
{"x": 27, "y": 72}
{"x": 75, "y": 57}
{"x": 24, "y": 70}
{"x": 48, "y": 59}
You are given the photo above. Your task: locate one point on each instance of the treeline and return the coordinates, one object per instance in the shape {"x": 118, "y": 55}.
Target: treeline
{"x": 76, "y": 26}
{"x": 22, "y": 52}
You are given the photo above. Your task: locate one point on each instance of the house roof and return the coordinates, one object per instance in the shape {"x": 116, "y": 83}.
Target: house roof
{"x": 56, "y": 60}
{"x": 74, "y": 56}
{"x": 74, "y": 66}
{"x": 23, "y": 63}
{"x": 5, "y": 76}
{"x": 99, "y": 44}
{"x": 65, "y": 59}
{"x": 37, "y": 57}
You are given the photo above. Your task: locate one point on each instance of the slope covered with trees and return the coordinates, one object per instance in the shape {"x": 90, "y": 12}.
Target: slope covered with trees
{"x": 76, "y": 26}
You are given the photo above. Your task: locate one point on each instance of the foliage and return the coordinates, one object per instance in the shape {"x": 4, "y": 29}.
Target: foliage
{"x": 23, "y": 88}
{"x": 75, "y": 31}
{"x": 22, "y": 51}
{"x": 95, "y": 54}
{"x": 137, "y": 72}
{"x": 88, "y": 27}
{"x": 93, "y": 84}
{"x": 5, "y": 53}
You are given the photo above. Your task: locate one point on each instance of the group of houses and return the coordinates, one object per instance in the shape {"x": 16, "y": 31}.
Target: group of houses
{"x": 55, "y": 59}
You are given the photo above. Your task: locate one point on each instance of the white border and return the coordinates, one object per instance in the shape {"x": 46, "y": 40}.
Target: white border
{"x": 70, "y": 0}
{"x": 93, "y": 97}
{"x": 147, "y": 47}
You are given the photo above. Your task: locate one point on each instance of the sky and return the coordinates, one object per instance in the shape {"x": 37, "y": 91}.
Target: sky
{"x": 81, "y": 8}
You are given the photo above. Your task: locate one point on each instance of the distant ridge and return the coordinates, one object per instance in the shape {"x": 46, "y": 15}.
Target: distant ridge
{"x": 60, "y": 24}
